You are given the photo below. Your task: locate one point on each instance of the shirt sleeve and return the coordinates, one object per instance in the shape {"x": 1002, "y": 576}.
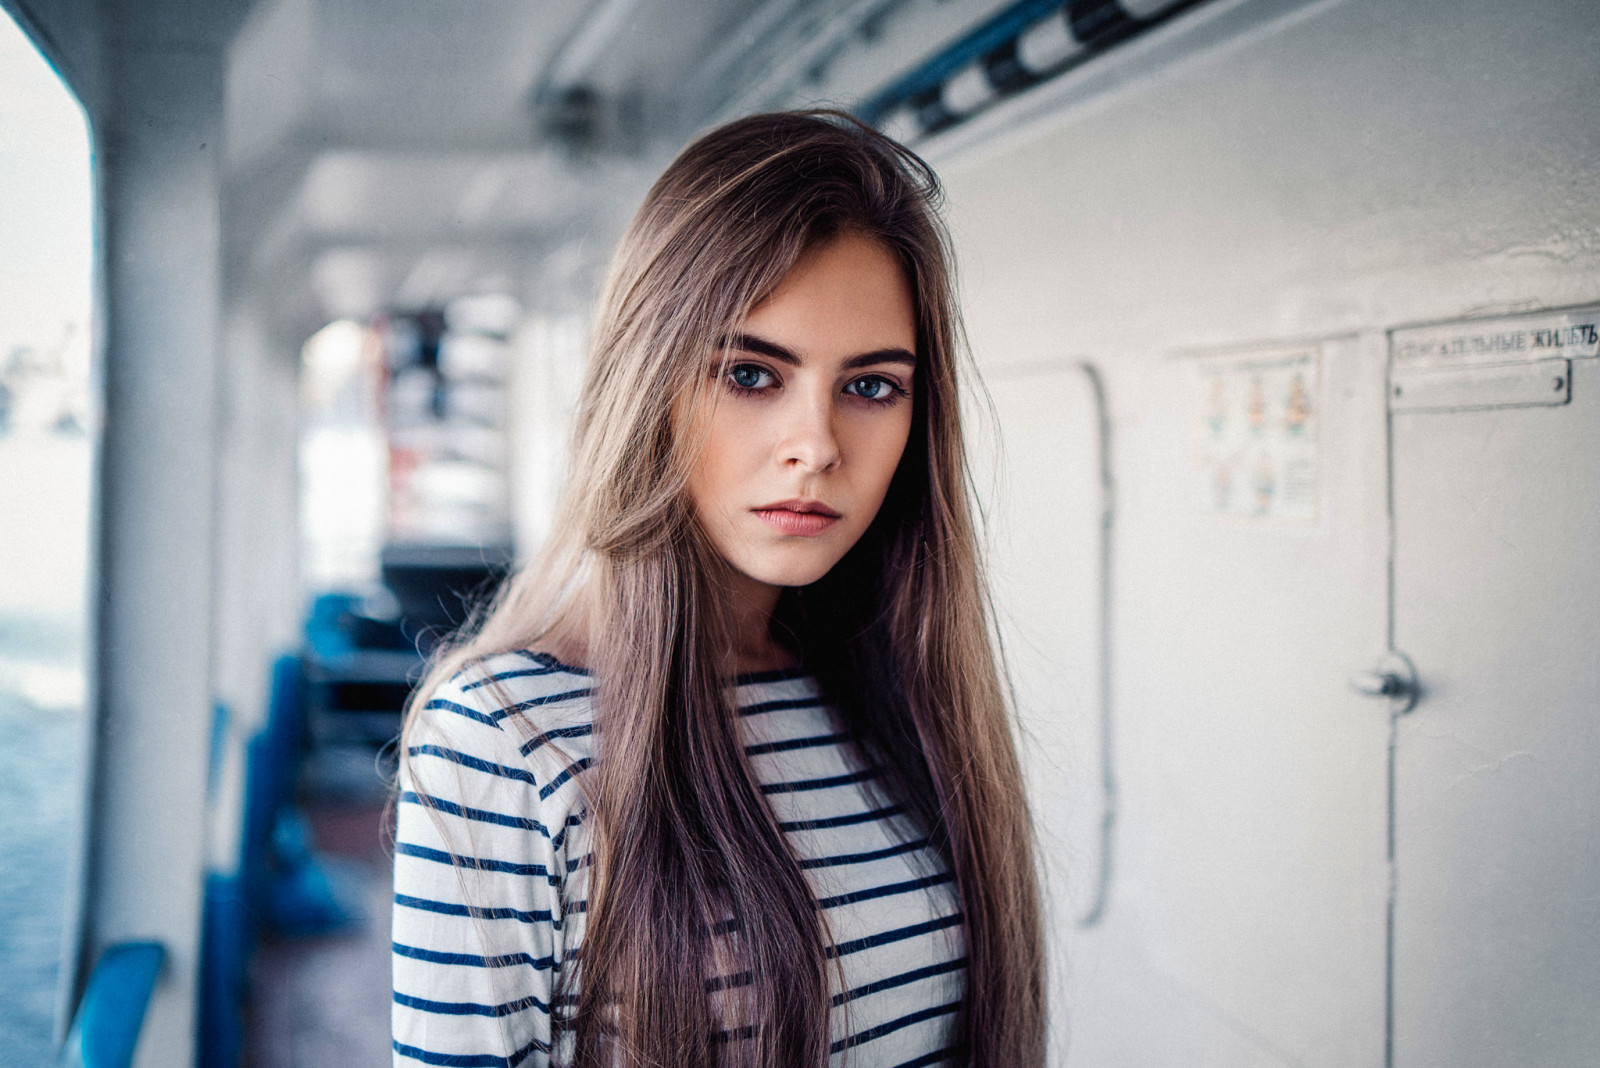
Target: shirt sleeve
{"x": 478, "y": 889}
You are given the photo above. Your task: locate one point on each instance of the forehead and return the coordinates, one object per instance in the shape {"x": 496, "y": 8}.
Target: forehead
{"x": 845, "y": 296}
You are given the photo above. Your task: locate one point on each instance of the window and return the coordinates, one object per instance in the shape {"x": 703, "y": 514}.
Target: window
{"x": 47, "y": 432}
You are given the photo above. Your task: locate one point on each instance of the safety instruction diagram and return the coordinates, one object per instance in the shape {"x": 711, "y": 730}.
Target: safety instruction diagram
{"x": 1257, "y": 417}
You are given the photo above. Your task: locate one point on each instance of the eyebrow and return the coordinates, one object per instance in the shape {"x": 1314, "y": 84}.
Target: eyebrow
{"x": 762, "y": 347}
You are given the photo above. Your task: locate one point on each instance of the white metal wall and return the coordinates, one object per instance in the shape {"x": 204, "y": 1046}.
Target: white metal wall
{"x": 1321, "y": 174}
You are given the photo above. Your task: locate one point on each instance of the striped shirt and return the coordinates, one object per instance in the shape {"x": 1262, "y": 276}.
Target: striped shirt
{"x": 479, "y": 943}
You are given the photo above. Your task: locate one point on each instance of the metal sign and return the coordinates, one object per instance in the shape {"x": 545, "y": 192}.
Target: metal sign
{"x": 1542, "y": 383}
{"x": 1569, "y": 335}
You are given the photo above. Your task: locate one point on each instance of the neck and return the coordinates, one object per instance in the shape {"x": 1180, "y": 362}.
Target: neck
{"x": 753, "y": 603}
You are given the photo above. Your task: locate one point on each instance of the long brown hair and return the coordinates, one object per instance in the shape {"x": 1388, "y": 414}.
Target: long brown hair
{"x": 897, "y": 634}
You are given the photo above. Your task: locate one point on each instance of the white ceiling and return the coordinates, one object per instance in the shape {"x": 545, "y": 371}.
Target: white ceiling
{"x": 398, "y": 153}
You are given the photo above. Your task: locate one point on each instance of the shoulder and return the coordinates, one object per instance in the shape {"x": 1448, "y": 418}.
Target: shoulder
{"x": 503, "y": 688}
{"x": 521, "y": 716}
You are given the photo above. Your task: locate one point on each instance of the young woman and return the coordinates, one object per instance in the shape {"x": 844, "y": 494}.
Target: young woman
{"x": 725, "y": 777}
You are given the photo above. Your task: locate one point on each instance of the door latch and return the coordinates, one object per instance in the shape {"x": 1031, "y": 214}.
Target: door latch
{"x": 1394, "y": 678}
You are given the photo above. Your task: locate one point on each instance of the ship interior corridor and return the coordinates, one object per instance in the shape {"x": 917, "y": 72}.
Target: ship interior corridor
{"x": 1284, "y": 424}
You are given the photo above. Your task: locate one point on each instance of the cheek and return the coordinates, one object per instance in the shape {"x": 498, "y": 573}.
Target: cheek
{"x": 717, "y": 482}
{"x": 882, "y": 447}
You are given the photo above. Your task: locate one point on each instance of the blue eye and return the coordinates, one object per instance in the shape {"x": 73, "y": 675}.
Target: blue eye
{"x": 748, "y": 376}
{"x": 872, "y": 388}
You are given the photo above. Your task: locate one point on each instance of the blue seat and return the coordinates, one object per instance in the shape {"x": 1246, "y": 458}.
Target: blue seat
{"x": 281, "y": 884}
{"x": 105, "y": 1029}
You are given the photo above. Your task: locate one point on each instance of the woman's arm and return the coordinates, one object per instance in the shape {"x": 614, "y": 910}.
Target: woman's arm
{"x": 478, "y": 926}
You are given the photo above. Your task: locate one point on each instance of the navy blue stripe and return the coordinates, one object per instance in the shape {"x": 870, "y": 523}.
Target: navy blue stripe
{"x": 740, "y": 680}
{"x": 899, "y": 934}
{"x": 795, "y": 743}
{"x": 479, "y": 912}
{"x": 471, "y": 1060}
{"x": 775, "y": 675}
{"x": 547, "y": 699}
{"x": 826, "y": 822}
{"x": 581, "y": 730}
{"x": 938, "y": 1056}
{"x": 913, "y": 976}
{"x": 887, "y": 890}
{"x": 472, "y": 960}
{"x": 729, "y": 982}
{"x": 556, "y": 783}
{"x": 494, "y": 718}
{"x": 549, "y": 665}
{"x": 519, "y": 774}
{"x": 522, "y": 823}
{"x": 895, "y": 1025}
{"x": 471, "y": 1008}
{"x": 780, "y": 706}
{"x": 862, "y": 858}
{"x": 441, "y": 705}
{"x": 551, "y": 662}
{"x": 509, "y": 867}
{"x": 738, "y": 1034}
{"x": 721, "y": 927}
{"x": 543, "y": 669}
{"x": 819, "y": 784}
{"x": 745, "y": 679}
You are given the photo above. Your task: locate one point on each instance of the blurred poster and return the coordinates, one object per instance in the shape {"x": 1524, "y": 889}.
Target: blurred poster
{"x": 1256, "y": 417}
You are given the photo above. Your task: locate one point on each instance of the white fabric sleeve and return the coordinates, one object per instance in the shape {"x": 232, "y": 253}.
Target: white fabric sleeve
{"x": 479, "y": 874}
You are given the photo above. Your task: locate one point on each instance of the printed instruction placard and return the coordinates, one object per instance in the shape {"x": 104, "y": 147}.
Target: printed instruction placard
{"x": 1512, "y": 339}
{"x": 1257, "y": 417}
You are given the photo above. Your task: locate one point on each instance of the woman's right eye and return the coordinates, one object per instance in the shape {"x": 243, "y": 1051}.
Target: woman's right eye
{"x": 748, "y": 377}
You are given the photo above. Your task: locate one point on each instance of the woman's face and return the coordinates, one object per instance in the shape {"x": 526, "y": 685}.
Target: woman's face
{"x": 811, "y": 416}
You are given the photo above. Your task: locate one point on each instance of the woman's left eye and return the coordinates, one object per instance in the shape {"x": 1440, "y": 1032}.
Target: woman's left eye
{"x": 873, "y": 388}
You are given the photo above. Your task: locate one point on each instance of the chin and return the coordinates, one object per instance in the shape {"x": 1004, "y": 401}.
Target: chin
{"x": 789, "y": 572}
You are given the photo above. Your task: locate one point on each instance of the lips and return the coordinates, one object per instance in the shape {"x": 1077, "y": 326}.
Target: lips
{"x": 803, "y": 518}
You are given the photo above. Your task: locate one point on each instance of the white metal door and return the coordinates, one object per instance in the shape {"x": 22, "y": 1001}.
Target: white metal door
{"x": 1497, "y": 788}
{"x": 1243, "y": 887}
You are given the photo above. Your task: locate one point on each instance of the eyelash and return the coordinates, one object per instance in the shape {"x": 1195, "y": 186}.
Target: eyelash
{"x": 895, "y": 395}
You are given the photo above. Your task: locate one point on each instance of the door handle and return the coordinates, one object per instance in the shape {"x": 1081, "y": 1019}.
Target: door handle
{"x": 1394, "y": 678}
{"x": 1374, "y": 684}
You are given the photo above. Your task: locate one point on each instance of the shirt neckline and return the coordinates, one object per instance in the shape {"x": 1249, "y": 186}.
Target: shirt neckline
{"x": 746, "y": 678}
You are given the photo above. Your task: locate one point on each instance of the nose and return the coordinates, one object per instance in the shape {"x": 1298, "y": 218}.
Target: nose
{"x": 809, "y": 442}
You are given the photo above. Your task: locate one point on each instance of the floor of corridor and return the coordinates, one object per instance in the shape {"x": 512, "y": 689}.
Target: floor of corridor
{"x": 324, "y": 1002}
